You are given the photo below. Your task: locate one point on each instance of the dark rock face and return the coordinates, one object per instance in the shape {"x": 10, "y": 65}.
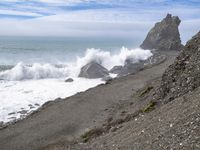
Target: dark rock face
{"x": 93, "y": 70}
{"x": 184, "y": 75}
{"x": 69, "y": 80}
{"x": 164, "y": 35}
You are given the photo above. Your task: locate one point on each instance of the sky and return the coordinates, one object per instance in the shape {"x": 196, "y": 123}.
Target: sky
{"x": 103, "y": 18}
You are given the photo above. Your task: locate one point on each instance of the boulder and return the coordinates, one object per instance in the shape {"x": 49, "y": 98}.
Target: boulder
{"x": 164, "y": 35}
{"x": 183, "y": 75}
{"x": 93, "y": 70}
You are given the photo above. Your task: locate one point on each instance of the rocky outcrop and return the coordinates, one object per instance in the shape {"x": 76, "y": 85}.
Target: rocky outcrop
{"x": 93, "y": 70}
{"x": 132, "y": 67}
{"x": 184, "y": 75}
{"x": 164, "y": 35}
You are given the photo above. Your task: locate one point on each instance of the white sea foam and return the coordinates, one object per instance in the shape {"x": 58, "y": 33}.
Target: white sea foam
{"x": 105, "y": 58}
{"x": 35, "y": 71}
{"x": 16, "y": 96}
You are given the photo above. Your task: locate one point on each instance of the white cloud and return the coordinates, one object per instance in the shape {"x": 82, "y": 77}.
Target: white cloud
{"x": 127, "y": 20}
{"x": 19, "y": 13}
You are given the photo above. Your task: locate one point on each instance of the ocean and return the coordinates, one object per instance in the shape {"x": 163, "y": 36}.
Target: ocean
{"x": 33, "y": 70}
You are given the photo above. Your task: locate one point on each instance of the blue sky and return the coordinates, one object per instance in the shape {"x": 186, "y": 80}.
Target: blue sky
{"x": 94, "y": 17}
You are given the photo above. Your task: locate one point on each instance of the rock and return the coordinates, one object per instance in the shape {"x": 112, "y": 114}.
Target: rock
{"x": 31, "y": 106}
{"x": 130, "y": 68}
{"x": 69, "y": 80}
{"x": 36, "y": 104}
{"x": 12, "y": 113}
{"x": 164, "y": 35}
{"x": 183, "y": 75}
{"x": 116, "y": 69}
{"x": 93, "y": 70}
{"x": 23, "y": 112}
{"x": 12, "y": 118}
{"x": 1, "y": 124}
{"x": 155, "y": 59}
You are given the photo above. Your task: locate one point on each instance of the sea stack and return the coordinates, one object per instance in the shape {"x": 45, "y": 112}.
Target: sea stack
{"x": 183, "y": 75}
{"x": 164, "y": 35}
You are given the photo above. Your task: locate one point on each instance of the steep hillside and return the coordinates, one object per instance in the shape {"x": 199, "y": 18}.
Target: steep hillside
{"x": 172, "y": 124}
{"x": 183, "y": 75}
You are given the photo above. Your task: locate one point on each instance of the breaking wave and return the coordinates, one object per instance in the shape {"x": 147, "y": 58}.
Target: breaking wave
{"x": 40, "y": 71}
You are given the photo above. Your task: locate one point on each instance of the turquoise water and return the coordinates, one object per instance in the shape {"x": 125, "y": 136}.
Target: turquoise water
{"x": 55, "y": 50}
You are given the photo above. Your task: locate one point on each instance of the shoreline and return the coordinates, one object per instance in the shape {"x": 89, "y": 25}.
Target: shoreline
{"x": 159, "y": 57}
{"x": 69, "y": 118}
{"x": 31, "y": 112}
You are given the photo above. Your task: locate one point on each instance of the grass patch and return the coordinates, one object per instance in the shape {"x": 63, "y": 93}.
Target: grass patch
{"x": 109, "y": 125}
{"x": 93, "y": 133}
{"x": 145, "y": 91}
{"x": 149, "y": 107}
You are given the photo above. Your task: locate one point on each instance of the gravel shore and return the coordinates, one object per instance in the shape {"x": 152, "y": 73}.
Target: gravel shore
{"x": 63, "y": 120}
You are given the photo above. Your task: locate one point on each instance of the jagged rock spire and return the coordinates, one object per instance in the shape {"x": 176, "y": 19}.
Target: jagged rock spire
{"x": 164, "y": 35}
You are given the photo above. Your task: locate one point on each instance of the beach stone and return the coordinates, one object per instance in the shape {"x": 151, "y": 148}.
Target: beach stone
{"x": 31, "y": 106}
{"x": 93, "y": 70}
{"x": 69, "y": 80}
{"x": 164, "y": 35}
{"x": 12, "y": 113}
{"x": 183, "y": 75}
{"x": 36, "y": 104}
{"x": 23, "y": 112}
{"x": 12, "y": 118}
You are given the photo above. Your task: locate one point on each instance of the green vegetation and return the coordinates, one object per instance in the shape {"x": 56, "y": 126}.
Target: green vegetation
{"x": 149, "y": 107}
{"x": 96, "y": 132}
{"x": 92, "y": 134}
{"x": 145, "y": 91}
